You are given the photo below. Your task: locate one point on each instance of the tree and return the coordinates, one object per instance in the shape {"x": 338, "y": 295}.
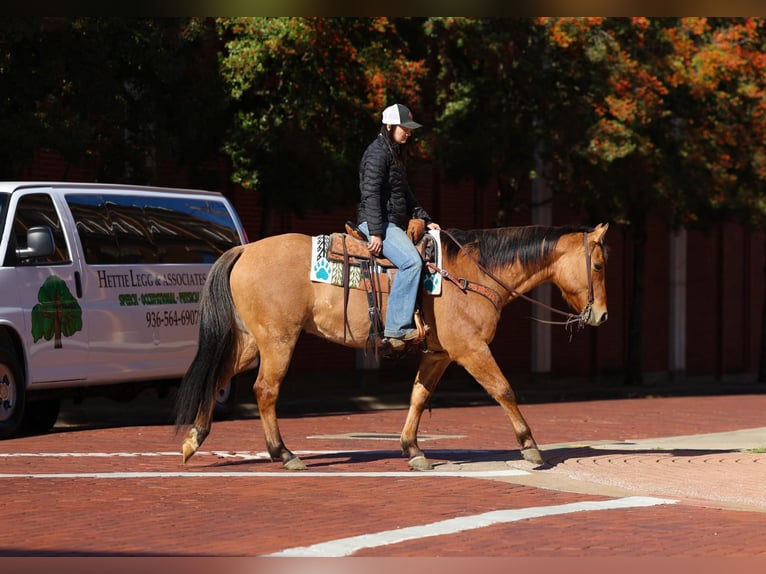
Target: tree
{"x": 671, "y": 111}
{"x": 484, "y": 74}
{"x": 627, "y": 116}
{"x": 305, "y": 94}
{"x": 57, "y": 314}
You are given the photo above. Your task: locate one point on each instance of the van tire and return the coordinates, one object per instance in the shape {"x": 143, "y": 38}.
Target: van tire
{"x": 40, "y": 416}
{"x": 225, "y": 401}
{"x": 12, "y": 394}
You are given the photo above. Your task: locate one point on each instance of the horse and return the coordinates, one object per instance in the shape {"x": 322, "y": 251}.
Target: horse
{"x": 258, "y": 298}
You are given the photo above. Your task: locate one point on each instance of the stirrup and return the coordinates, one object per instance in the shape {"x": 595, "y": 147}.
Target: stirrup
{"x": 420, "y": 325}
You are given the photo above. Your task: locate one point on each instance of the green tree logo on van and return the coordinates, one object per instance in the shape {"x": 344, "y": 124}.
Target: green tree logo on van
{"x": 57, "y": 314}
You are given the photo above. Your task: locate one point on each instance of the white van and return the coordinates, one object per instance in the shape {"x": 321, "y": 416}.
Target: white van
{"x": 99, "y": 290}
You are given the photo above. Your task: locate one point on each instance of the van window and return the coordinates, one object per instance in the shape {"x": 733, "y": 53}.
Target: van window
{"x": 37, "y": 209}
{"x": 4, "y": 197}
{"x": 144, "y": 229}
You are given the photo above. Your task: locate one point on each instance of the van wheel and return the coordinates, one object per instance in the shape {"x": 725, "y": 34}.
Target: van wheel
{"x": 40, "y": 416}
{"x": 12, "y": 395}
{"x": 225, "y": 401}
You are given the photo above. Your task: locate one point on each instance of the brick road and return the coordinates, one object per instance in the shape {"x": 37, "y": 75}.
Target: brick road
{"x": 692, "y": 471}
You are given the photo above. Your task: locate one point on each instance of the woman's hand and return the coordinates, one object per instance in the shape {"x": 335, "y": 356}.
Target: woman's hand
{"x": 434, "y": 225}
{"x": 375, "y": 245}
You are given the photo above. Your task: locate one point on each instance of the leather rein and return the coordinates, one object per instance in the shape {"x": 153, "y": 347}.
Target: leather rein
{"x": 466, "y": 285}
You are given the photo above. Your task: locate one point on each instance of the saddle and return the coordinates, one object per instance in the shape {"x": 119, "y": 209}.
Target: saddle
{"x": 350, "y": 248}
{"x": 378, "y": 273}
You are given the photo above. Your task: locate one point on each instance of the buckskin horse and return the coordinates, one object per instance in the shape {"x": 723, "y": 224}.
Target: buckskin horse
{"x": 258, "y": 298}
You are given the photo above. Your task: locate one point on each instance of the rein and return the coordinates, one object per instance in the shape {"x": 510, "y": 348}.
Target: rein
{"x": 464, "y": 284}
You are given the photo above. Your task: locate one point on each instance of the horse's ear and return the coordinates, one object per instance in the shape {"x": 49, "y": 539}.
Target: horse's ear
{"x": 600, "y": 231}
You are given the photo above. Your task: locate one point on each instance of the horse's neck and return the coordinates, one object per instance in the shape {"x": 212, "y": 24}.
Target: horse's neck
{"x": 521, "y": 280}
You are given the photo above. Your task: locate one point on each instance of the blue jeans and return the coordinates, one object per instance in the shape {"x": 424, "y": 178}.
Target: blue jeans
{"x": 398, "y": 248}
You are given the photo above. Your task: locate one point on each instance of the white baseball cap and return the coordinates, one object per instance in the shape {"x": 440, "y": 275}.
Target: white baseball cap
{"x": 400, "y": 115}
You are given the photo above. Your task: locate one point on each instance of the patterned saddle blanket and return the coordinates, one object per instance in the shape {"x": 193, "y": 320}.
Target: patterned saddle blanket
{"x": 328, "y": 266}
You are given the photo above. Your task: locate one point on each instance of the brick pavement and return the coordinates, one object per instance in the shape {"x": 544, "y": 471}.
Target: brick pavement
{"x": 597, "y": 450}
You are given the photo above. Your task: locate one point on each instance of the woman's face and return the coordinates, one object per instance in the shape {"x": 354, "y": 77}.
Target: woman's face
{"x": 400, "y": 134}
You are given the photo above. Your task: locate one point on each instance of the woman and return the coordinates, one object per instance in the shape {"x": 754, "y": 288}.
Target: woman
{"x": 387, "y": 204}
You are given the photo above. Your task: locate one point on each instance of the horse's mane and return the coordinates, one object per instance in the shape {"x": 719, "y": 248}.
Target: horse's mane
{"x": 531, "y": 245}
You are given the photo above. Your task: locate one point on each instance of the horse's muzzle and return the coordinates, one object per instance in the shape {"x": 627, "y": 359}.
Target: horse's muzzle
{"x": 595, "y": 318}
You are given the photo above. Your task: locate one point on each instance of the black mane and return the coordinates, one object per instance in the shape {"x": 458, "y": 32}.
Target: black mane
{"x": 532, "y": 245}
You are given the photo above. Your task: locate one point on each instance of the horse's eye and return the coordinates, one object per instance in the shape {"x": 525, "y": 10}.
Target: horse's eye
{"x": 598, "y": 266}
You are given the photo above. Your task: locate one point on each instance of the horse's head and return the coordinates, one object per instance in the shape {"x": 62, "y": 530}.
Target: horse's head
{"x": 581, "y": 273}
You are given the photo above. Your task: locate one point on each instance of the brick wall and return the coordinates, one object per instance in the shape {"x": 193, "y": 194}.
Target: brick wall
{"x": 725, "y": 285}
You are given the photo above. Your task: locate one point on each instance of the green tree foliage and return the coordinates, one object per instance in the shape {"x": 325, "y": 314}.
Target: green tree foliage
{"x": 57, "y": 314}
{"x": 622, "y": 116}
{"x": 669, "y": 117}
{"x": 307, "y": 95}
{"x": 488, "y": 89}
{"x": 671, "y": 110}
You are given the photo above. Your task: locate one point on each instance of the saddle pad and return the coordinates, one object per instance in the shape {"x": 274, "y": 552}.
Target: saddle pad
{"x": 331, "y": 272}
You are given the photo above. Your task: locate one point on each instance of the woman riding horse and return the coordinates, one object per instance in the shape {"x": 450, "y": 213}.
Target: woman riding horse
{"x": 258, "y": 298}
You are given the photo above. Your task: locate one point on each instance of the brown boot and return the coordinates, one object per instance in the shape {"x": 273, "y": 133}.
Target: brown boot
{"x": 399, "y": 343}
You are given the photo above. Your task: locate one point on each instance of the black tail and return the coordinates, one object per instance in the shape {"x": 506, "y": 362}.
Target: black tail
{"x": 216, "y": 342}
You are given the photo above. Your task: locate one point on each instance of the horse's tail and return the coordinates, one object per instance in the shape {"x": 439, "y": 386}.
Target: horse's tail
{"x": 217, "y": 342}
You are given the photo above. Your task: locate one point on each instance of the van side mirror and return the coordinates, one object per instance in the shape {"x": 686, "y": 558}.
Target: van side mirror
{"x": 39, "y": 243}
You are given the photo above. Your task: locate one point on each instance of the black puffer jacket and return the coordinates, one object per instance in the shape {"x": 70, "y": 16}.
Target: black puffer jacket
{"x": 385, "y": 194}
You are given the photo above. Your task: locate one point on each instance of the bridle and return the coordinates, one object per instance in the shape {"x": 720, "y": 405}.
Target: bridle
{"x": 570, "y": 319}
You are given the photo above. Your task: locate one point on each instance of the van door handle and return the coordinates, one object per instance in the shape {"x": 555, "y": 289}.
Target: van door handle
{"x": 78, "y": 284}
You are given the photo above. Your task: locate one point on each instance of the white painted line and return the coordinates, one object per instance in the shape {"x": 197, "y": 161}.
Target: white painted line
{"x": 383, "y": 436}
{"x": 216, "y": 453}
{"x": 248, "y": 455}
{"x": 244, "y": 455}
{"x": 84, "y": 454}
{"x": 348, "y": 546}
{"x": 276, "y": 474}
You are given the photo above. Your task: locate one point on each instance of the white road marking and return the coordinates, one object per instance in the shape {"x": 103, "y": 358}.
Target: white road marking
{"x": 275, "y": 474}
{"x": 486, "y": 473}
{"x": 84, "y": 454}
{"x": 247, "y": 455}
{"x": 344, "y": 546}
{"x": 217, "y": 453}
{"x": 383, "y": 436}
{"x": 348, "y": 546}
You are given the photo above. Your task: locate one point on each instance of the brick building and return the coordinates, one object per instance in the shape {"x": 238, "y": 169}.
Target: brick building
{"x": 702, "y": 310}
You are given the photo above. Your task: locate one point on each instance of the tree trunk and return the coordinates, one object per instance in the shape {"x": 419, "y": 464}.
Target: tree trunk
{"x": 633, "y": 363}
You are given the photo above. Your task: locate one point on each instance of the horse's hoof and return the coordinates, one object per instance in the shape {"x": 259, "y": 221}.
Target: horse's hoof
{"x": 188, "y": 451}
{"x": 420, "y": 462}
{"x": 295, "y": 464}
{"x": 532, "y": 454}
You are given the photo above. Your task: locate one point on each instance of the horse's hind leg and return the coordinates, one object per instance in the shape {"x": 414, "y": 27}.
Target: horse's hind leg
{"x": 196, "y": 435}
{"x": 200, "y": 429}
{"x": 274, "y": 364}
{"x": 430, "y": 371}
{"x": 482, "y": 366}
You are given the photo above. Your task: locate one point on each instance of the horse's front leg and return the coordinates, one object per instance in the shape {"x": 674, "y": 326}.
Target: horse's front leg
{"x": 430, "y": 371}
{"x": 482, "y": 366}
